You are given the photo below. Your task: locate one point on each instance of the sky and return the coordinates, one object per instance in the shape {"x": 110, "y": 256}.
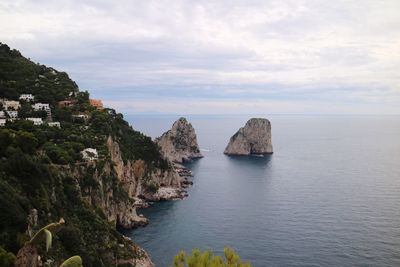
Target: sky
{"x": 218, "y": 57}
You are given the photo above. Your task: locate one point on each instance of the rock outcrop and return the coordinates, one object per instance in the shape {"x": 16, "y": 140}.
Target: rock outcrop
{"x": 143, "y": 261}
{"x": 135, "y": 176}
{"x": 180, "y": 143}
{"x": 253, "y": 138}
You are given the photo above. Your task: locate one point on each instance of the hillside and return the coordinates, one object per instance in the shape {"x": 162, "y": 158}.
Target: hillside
{"x": 64, "y": 155}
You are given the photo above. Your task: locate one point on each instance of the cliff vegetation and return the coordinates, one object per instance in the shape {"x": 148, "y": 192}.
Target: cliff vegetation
{"x": 44, "y": 174}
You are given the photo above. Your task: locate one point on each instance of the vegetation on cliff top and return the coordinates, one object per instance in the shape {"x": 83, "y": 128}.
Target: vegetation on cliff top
{"x": 32, "y": 160}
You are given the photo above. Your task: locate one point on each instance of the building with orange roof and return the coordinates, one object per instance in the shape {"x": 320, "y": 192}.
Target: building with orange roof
{"x": 96, "y": 103}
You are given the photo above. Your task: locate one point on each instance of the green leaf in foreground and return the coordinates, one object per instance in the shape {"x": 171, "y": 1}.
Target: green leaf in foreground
{"x": 49, "y": 239}
{"x": 74, "y": 261}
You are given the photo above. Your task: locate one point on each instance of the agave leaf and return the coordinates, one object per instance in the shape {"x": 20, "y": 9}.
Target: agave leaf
{"x": 52, "y": 227}
{"x": 75, "y": 261}
{"x": 49, "y": 239}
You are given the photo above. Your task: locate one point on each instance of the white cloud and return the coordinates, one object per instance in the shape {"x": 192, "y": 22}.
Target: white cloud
{"x": 225, "y": 48}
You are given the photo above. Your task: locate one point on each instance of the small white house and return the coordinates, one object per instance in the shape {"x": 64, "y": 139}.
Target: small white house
{"x": 54, "y": 124}
{"x": 11, "y": 105}
{"x": 89, "y": 154}
{"x": 27, "y": 97}
{"x": 2, "y": 122}
{"x": 81, "y": 116}
{"x": 41, "y": 106}
{"x": 36, "y": 121}
{"x": 2, "y": 114}
{"x": 12, "y": 114}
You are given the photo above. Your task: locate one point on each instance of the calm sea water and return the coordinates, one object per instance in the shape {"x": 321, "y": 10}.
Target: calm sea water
{"x": 328, "y": 196}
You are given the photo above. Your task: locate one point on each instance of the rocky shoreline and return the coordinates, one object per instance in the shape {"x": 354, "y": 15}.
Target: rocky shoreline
{"x": 164, "y": 193}
{"x": 179, "y": 146}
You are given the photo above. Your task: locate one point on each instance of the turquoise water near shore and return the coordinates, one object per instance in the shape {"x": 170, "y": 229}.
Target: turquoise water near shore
{"x": 328, "y": 196}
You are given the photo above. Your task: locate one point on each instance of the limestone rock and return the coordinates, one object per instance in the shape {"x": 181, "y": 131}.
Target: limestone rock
{"x": 167, "y": 193}
{"x": 180, "y": 143}
{"x": 131, "y": 176}
{"x": 253, "y": 138}
{"x": 143, "y": 259}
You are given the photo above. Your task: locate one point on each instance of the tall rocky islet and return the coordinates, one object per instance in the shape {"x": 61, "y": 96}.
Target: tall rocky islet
{"x": 252, "y": 139}
{"x": 179, "y": 144}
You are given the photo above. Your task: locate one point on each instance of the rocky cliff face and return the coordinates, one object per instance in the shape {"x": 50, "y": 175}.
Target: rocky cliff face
{"x": 136, "y": 176}
{"x": 100, "y": 190}
{"x": 253, "y": 138}
{"x": 180, "y": 143}
{"x": 118, "y": 187}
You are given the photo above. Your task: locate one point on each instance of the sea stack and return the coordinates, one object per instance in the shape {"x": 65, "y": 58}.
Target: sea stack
{"x": 252, "y": 139}
{"x": 180, "y": 143}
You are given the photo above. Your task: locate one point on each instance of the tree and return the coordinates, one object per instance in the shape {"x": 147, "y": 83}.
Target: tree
{"x": 208, "y": 259}
{"x": 26, "y": 141}
{"x": 57, "y": 154}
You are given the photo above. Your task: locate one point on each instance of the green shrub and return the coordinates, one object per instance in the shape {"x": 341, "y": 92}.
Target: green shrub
{"x": 6, "y": 258}
{"x": 208, "y": 259}
{"x": 57, "y": 154}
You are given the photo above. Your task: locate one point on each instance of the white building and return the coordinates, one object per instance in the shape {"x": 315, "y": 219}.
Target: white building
{"x": 11, "y": 105}
{"x": 2, "y": 122}
{"x": 41, "y": 106}
{"x": 2, "y": 114}
{"x": 12, "y": 114}
{"x": 27, "y": 97}
{"x": 54, "y": 124}
{"x": 89, "y": 154}
{"x": 80, "y": 117}
{"x": 36, "y": 121}
{"x": 45, "y": 107}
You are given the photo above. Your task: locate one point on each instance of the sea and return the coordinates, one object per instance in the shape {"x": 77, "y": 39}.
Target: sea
{"x": 328, "y": 196}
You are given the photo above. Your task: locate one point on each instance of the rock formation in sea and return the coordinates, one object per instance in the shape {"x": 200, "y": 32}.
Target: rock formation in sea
{"x": 180, "y": 143}
{"x": 253, "y": 138}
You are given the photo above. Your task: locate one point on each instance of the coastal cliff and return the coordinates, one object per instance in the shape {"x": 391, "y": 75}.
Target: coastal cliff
{"x": 179, "y": 144}
{"x": 117, "y": 187}
{"x": 141, "y": 181}
{"x": 74, "y": 160}
{"x": 253, "y": 138}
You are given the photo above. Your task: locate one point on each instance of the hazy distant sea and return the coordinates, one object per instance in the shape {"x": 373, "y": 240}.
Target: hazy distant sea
{"x": 328, "y": 196}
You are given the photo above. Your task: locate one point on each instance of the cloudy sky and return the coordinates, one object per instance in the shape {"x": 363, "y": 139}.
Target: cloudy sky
{"x": 217, "y": 57}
